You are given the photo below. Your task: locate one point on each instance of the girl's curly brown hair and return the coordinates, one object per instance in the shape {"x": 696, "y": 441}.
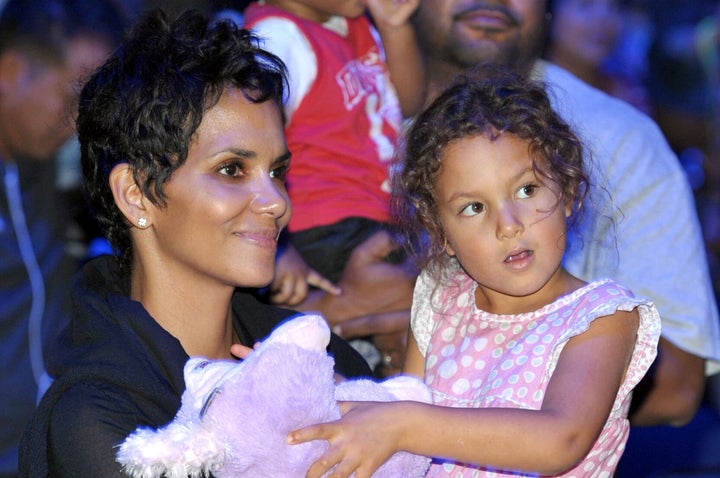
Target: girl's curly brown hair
{"x": 488, "y": 101}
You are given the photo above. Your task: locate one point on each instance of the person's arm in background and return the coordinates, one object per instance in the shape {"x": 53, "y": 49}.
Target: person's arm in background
{"x": 661, "y": 256}
{"x": 672, "y": 391}
{"x": 402, "y": 54}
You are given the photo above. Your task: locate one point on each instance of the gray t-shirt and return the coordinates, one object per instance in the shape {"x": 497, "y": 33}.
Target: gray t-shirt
{"x": 653, "y": 244}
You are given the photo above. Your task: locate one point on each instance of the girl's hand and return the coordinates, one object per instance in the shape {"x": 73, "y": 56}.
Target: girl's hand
{"x": 360, "y": 442}
{"x": 392, "y": 12}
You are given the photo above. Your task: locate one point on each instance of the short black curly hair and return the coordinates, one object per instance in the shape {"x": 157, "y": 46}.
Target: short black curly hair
{"x": 489, "y": 100}
{"x": 144, "y": 104}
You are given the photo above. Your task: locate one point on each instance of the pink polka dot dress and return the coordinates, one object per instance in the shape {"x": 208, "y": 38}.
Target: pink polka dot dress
{"x": 477, "y": 359}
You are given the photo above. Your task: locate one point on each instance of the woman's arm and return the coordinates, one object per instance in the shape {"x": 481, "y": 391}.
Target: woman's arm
{"x": 87, "y": 423}
{"x": 547, "y": 441}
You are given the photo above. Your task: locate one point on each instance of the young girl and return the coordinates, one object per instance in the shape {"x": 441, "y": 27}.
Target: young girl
{"x": 532, "y": 369}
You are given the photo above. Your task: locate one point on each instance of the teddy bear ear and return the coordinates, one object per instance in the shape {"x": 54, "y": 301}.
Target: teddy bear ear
{"x": 177, "y": 450}
{"x": 309, "y": 331}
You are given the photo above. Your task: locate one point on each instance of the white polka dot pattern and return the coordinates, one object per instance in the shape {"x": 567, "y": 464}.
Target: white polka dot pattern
{"x": 477, "y": 359}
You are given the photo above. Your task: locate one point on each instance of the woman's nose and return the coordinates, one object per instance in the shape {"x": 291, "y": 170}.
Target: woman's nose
{"x": 271, "y": 198}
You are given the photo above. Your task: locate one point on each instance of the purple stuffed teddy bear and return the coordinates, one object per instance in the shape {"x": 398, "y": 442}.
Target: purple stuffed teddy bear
{"x": 235, "y": 415}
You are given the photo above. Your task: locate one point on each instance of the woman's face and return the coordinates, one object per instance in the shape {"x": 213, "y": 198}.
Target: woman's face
{"x": 227, "y": 203}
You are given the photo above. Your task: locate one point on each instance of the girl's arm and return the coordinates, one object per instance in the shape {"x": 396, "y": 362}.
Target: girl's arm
{"x": 404, "y": 60}
{"x": 414, "y": 361}
{"x": 546, "y": 441}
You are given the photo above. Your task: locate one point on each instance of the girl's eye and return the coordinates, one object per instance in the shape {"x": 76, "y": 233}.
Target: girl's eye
{"x": 280, "y": 172}
{"x": 472, "y": 209}
{"x": 527, "y": 191}
{"x": 230, "y": 169}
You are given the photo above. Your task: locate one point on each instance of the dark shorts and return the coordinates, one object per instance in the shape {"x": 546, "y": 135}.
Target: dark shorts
{"x": 327, "y": 249}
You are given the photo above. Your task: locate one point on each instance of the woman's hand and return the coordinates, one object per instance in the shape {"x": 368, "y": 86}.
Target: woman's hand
{"x": 360, "y": 442}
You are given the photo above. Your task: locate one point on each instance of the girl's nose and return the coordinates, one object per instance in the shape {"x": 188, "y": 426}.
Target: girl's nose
{"x": 509, "y": 224}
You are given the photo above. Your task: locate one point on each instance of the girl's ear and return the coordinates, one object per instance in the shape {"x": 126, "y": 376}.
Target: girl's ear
{"x": 448, "y": 248}
{"x": 570, "y": 205}
{"x": 128, "y": 196}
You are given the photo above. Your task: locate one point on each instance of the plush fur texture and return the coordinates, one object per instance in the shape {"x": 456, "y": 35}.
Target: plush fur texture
{"x": 235, "y": 415}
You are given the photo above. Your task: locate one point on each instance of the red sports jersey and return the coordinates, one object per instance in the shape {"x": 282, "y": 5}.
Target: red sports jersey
{"x": 344, "y": 132}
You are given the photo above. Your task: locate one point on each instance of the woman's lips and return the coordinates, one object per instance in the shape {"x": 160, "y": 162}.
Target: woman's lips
{"x": 266, "y": 238}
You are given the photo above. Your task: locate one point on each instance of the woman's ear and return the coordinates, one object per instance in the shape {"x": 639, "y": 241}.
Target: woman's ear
{"x": 128, "y": 196}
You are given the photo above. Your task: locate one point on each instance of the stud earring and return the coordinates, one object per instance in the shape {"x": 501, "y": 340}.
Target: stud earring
{"x": 142, "y": 223}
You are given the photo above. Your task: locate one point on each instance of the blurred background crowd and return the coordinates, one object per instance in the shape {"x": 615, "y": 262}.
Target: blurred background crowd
{"x": 662, "y": 56}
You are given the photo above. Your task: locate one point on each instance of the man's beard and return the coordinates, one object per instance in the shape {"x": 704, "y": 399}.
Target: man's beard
{"x": 512, "y": 53}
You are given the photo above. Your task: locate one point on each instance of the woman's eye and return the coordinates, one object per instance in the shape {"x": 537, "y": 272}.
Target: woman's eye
{"x": 527, "y": 191}
{"x": 280, "y": 172}
{"x": 472, "y": 209}
{"x": 230, "y": 169}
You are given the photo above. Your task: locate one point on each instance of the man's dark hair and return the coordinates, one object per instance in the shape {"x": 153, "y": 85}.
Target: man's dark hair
{"x": 144, "y": 104}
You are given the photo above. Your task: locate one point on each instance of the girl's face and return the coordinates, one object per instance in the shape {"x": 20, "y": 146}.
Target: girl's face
{"x": 321, "y": 10}
{"x": 227, "y": 203}
{"x": 505, "y": 225}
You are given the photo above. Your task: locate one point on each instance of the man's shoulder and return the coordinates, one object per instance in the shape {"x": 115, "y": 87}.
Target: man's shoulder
{"x": 611, "y": 128}
{"x": 579, "y": 101}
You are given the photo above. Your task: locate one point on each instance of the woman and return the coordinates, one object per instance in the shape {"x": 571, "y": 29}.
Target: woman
{"x": 184, "y": 158}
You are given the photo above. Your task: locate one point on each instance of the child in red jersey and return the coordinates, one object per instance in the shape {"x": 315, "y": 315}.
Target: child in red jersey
{"x": 352, "y": 80}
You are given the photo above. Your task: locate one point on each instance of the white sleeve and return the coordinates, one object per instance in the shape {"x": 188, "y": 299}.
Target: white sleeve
{"x": 283, "y": 38}
{"x": 421, "y": 317}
